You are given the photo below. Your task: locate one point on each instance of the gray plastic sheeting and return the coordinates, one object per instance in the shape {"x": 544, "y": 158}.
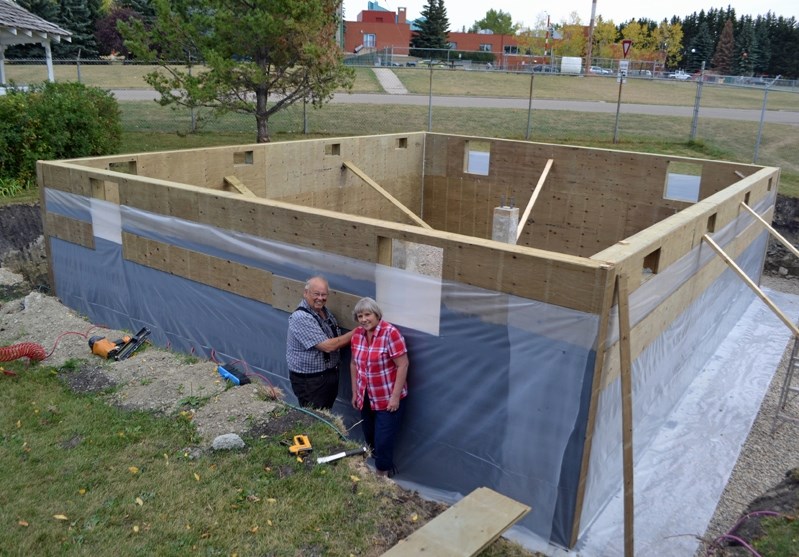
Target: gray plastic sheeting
{"x": 499, "y": 385}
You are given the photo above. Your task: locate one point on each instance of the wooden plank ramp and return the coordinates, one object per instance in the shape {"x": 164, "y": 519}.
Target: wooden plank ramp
{"x": 466, "y": 528}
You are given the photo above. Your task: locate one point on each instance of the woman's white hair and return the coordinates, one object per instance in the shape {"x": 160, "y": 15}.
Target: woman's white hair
{"x": 364, "y": 305}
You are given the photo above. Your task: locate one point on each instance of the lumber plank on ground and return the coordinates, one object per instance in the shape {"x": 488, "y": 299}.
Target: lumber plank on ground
{"x": 237, "y": 185}
{"x": 466, "y": 528}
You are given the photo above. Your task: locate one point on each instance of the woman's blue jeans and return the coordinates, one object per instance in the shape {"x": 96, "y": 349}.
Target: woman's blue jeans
{"x": 380, "y": 429}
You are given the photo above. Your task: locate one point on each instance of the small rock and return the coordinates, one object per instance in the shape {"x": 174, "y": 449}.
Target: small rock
{"x": 227, "y": 442}
{"x": 783, "y": 271}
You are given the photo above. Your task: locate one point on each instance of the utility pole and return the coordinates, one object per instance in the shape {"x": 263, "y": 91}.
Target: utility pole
{"x": 589, "y": 50}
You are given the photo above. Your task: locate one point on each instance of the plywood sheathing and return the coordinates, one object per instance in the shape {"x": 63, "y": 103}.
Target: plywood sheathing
{"x": 69, "y": 230}
{"x": 593, "y": 198}
{"x": 223, "y": 274}
{"x": 675, "y": 237}
{"x": 311, "y": 174}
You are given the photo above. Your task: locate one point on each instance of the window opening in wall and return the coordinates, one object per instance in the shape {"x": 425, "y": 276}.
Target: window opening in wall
{"x": 711, "y": 223}
{"x": 333, "y": 149}
{"x": 369, "y": 40}
{"x": 682, "y": 181}
{"x": 402, "y": 143}
{"x": 477, "y": 157}
{"x": 651, "y": 263}
{"x": 769, "y": 185}
{"x": 126, "y": 167}
{"x": 242, "y": 157}
{"x": 746, "y": 198}
{"x": 102, "y": 189}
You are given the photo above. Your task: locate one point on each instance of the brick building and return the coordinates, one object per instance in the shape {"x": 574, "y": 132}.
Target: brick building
{"x": 377, "y": 29}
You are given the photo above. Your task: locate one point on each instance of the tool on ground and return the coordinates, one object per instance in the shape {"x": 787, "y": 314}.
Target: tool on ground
{"x": 342, "y": 454}
{"x": 118, "y": 349}
{"x": 301, "y": 446}
{"x": 235, "y": 376}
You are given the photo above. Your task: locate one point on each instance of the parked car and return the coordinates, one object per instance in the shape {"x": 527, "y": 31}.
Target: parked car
{"x": 599, "y": 71}
{"x": 544, "y": 68}
{"x": 680, "y": 75}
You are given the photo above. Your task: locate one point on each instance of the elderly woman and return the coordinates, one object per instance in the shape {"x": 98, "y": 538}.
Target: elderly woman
{"x": 378, "y": 369}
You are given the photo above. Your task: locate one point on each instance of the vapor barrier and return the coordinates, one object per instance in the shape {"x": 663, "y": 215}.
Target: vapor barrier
{"x": 663, "y": 372}
{"x": 499, "y": 385}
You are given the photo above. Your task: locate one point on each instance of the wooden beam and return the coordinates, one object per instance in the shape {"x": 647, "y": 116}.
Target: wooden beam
{"x": 362, "y": 175}
{"x": 236, "y": 184}
{"x": 466, "y": 528}
{"x": 734, "y": 266}
{"x": 740, "y": 174}
{"x": 771, "y": 229}
{"x": 533, "y": 197}
{"x": 626, "y": 411}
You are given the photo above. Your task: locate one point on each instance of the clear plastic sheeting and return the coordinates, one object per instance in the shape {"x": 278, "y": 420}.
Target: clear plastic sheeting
{"x": 679, "y": 478}
{"x": 662, "y": 373}
{"x": 499, "y": 385}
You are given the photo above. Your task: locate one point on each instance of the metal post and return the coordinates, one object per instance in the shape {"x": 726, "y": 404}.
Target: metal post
{"x": 530, "y": 105}
{"x": 305, "y": 116}
{"x": 430, "y": 101}
{"x": 78, "y": 61}
{"x": 698, "y": 99}
{"x": 618, "y": 107}
{"x": 762, "y": 118}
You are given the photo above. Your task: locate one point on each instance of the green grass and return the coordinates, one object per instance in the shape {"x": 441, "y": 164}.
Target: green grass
{"x": 605, "y": 89}
{"x": 151, "y": 127}
{"x": 83, "y": 478}
{"x": 131, "y": 76}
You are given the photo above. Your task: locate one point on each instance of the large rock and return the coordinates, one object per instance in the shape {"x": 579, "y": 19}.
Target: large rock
{"x": 228, "y": 442}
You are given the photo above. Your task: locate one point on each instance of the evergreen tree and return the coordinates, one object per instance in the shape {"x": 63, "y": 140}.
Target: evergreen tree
{"x": 145, "y": 8}
{"x": 762, "y": 47}
{"x": 700, "y": 49}
{"x": 433, "y": 30}
{"x": 725, "y": 50}
{"x": 746, "y": 51}
{"x": 75, "y": 17}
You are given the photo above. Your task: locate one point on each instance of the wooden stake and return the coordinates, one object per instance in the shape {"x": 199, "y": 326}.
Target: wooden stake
{"x": 734, "y": 266}
{"x": 771, "y": 229}
{"x": 362, "y": 175}
{"x": 533, "y": 197}
{"x": 625, "y": 362}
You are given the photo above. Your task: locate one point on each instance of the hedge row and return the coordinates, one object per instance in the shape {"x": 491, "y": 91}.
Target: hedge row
{"x": 55, "y": 121}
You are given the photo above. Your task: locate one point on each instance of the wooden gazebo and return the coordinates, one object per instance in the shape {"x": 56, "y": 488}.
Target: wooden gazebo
{"x": 19, "y": 26}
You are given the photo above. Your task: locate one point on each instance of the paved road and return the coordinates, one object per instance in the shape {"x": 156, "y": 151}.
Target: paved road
{"x": 772, "y": 116}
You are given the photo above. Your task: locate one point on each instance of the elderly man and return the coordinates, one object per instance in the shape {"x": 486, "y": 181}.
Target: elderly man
{"x": 312, "y": 347}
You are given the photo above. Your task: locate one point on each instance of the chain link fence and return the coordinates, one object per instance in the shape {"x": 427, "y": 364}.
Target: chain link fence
{"x": 746, "y": 119}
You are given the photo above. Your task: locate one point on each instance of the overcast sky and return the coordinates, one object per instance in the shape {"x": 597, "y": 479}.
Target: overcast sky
{"x": 465, "y": 12}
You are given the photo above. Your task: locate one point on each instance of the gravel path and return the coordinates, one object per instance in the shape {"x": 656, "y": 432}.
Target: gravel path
{"x": 765, "y": 457}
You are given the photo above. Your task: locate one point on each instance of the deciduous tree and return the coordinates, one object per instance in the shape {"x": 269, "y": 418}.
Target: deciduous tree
{"x": 498, "y": 22}
{"x": 259, "y": 56}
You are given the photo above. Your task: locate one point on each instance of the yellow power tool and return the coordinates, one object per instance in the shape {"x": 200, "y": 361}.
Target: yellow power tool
{"x": 301, "y": 446}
